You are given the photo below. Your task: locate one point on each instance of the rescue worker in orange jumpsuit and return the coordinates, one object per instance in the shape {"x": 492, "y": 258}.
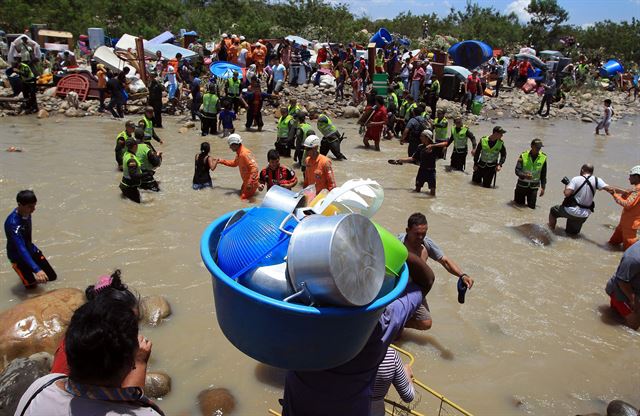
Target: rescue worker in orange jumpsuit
{"x": 627, "y": 230}
{"x": 259, "y": 57}
{"x": 246, "y": 162}
{"x": 318, "y": 170}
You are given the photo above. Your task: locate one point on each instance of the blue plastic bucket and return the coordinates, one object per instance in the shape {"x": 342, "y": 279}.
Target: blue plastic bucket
{"x": 288, "y": 335}
{"x": 611, "y": 68}
{"x": 381, "y": 38}
{"x": 254, "y": 238}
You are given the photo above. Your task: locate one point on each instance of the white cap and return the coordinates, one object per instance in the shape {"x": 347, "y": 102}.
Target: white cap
{"x": 427, "y": 133}
{"x": 635, "y": 170}
{"x": 170, "y": 69}
{"x": 224, "y": 35}
{"x": 234, "y": 139}
{"x": 234, "y": 37}
{"x": 242, "y": 38}
{"x": 312, "y": 141}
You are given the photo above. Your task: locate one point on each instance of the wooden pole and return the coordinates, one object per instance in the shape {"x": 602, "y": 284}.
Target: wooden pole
{"x": 140, "y": 56}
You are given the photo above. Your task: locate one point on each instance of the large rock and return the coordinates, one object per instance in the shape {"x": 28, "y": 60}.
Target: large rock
{"x": 157, "y": 384}
{"x": 18, "y": 376}
{"x": 620, "y": 408}
{"x": 351, "y": 112}
{"x": 190, "y": 124}
{"x": 216, "y": 402}
{"x": 153, "y": 309}
{"x": 37, "y": 324}
{"x": 43, "y": 114}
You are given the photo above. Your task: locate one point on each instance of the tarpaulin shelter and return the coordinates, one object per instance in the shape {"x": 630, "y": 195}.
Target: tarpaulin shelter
{"x": 470, "y": 53}
{"x": 459, "y": 71}
{"x": 298, "y": 40}
{"x": 165, "y": 37}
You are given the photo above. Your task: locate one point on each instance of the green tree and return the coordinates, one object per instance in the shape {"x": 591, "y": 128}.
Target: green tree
{"x": 546, "y": 18}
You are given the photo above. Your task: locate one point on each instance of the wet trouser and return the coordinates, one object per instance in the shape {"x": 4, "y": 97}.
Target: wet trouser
{"x": 118, "y": 104}
{"x": 413, "y": 147}
{"x": 235, "y": 103}
{"x": 150, "y": 184}
{"x": 209, "y": 123}
{"x": 130, "y": 192}
{"x": 25, "y": 273}
{"x": 299, "y": 152}
{"x": 332, "y": 142}
{"x": 282, "y": 146}
{"x": 521, "y": 193}
{"x": 440, "y": 152}
{"x": 433, "y": 102}
{"x": 574, "y": 224}
{"x": 458, "y": 159}
{"x": 484, "y": 175}
{"x": 254, "y": 116}
{"x": 248, "y": 190}
{"x": 626, "y": 236}
{"x": 157, "y": 113}
{"x": 101, "y": 98}
{"x": 546, "y": 99}
{"x": 498, "y": 84}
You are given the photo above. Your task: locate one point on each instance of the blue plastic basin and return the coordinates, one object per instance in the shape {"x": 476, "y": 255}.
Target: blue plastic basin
{"x": 288, "y": 335}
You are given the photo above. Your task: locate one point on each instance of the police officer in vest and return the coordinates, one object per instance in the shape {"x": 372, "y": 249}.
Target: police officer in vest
{"x": 28, "y": 81}
{"x": 132, "y": 172}
{"x": 392, "y": 105}
{"x": 149, "y": 132}
{"x": 331, "y": 137}
{"x": 441, "y": 133}
{"x": 209, "y": 111}
{"x": 121, "y": 139}
{"x": 531, "y": 170}
{"x": 485, "y": 160}
{"x": 460, "y": 134}
{"x": 297, "y": 136}
{"x": 283, "y": 128}
{"x": 233, "y": 91}
{"x": 149, "y": 161}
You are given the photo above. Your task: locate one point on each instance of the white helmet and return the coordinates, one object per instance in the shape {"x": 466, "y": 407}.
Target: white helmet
{"x": 242, "y": 37}
{"x": 312, "y": 141}
{"x": 635, "y": 170}
{"x": 234, "y": 139}
{"x": 234, "y": 37}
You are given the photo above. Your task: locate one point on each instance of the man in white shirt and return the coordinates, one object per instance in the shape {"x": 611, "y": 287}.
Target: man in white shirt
{"x": 428, "y": 73}
{"x": 578, "y": 202}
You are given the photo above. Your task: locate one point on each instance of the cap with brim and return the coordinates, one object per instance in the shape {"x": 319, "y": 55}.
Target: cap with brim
{"x": 130, "y": 123}
{"x": 635, "y": 170}
{"x": 130, "y": 143}
{"x": 498, "y": 129}
{"x": 537, "y": 143}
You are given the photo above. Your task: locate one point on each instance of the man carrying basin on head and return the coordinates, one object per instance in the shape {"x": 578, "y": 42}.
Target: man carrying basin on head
{"x": 246, "y": 162}
{"x": 346, "y": 389}
{"x": 417, "y": 242}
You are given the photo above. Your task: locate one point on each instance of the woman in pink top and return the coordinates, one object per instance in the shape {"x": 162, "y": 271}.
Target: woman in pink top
{"x": 416, "y": 81}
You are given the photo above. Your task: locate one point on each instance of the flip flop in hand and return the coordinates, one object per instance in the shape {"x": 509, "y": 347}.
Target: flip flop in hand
{"x": 394, "y": 162}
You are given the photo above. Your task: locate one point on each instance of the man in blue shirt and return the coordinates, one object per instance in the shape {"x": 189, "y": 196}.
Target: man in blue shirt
{"x": 347, "y": 389}
{"x": 27, "y": 259}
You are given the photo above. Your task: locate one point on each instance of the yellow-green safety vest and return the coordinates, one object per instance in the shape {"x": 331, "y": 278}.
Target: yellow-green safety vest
{"x": 435, "y": 87}
{"x": 392, "y": 98}
{"x": 534, "y": 167}
{"x": 126, "y": 178}
{"x": 148, "y": 129}
{"x": 283, "y": 126}
{"x": 408, "y": 110}
{"x": 379, "y": 61}
{"x": 326, "y": 128}
{"x": 122, "y": 135}
{"x": 143, "y": 158}
{"x": 306, "y": 128}
{"x": 293, "y": 110}
{"x": 459, "y": 137}
{"x": 234, "y": 87}
{"x": 441, "y": 132}
{"x": 490, "y": 155}
{"x": 25, "y": 71}
{"x": 210, "y": 103}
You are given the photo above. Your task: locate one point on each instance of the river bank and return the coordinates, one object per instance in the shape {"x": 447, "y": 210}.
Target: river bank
{"x": 534, "y": 336}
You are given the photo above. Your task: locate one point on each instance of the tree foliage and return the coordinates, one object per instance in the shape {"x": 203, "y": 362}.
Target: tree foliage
{"x": 321, "y": 20}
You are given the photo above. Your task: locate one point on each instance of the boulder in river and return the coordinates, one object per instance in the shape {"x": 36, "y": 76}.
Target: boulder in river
{"x": 37, "y": 324}
{"x": 157, "y": 384}
{"x": 18, "y": 376}
{"x": 153, "y": 309}
{"x": 43, "y": 113}
{"x": 216, "y": 401}
{"x": 536, "y": 233}
{"x": 620, "y": 408}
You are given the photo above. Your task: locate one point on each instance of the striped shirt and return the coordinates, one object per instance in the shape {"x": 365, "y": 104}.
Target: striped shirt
{"x": 390, "y": 371}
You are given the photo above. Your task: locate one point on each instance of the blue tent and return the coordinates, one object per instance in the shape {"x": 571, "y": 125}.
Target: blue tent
{"x": 470, "y": 53}
{"x": 222, "y": 69}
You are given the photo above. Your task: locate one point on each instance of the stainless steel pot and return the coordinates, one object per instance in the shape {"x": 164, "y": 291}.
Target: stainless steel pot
{"x": 338, "y": 260}
{"x": 270, "y": 281}
{"x": 283, "y": 199}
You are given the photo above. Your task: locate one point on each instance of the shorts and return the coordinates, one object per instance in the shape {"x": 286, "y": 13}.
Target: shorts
{"x": 604, "y": 125}
{"x": 227, "y": 132}
{"x": 621, "y": 307}
{"x": 27, "y": 276}
{"x": 422, "y": 313}
{"x": 428, "y": 176}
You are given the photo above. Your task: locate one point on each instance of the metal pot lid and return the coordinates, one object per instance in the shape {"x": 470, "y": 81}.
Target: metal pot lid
{"x": 357, "y": 259}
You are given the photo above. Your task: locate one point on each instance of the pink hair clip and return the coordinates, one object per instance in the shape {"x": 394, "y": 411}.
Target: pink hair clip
{"x": 103, "y": 283}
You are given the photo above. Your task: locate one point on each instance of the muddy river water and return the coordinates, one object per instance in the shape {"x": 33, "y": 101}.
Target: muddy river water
{"x": 534, "y": 336}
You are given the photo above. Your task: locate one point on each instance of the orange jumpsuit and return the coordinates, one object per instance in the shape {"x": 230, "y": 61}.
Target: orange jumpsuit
{"x": 320, "y": 173}
{"x": 259, "y": 55}
{"x": 232, "y": 53}
{"x": 627, "y": 230}
{"x": 248, "y": 171}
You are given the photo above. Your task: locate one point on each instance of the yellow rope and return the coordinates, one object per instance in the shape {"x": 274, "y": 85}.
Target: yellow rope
{"x": 424, "y": 386}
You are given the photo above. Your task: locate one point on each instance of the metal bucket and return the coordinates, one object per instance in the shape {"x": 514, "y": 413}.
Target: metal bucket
{"x": 337, "y": 260}
{"x": 270, "y": 281}
{"x": 283, "y": 199}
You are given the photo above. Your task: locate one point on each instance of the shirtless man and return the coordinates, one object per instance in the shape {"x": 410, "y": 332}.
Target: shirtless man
{"x": 417, "y": 242}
